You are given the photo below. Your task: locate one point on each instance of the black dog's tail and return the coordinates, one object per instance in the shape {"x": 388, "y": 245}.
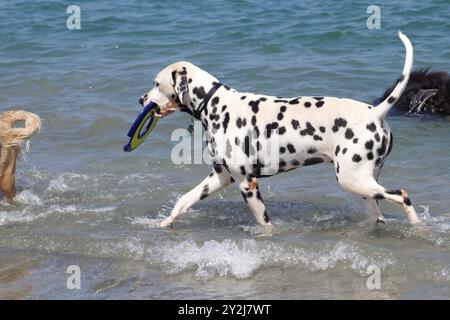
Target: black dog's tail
{"x": 383, "y": 108}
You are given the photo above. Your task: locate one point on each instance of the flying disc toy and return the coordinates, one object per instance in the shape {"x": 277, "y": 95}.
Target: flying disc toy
{"x": 142, "y": 126}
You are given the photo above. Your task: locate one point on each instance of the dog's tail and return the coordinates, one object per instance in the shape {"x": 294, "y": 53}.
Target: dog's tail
{"x": 383, "y": 108}
{"x": 11, "y": 136}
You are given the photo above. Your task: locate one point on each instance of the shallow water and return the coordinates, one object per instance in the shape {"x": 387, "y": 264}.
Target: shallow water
{"x": 83, "y": 201}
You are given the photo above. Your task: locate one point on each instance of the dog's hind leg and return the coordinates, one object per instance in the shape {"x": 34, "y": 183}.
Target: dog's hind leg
{"x": 367, "y": 186}
{"x": 371, "y": 205}
{"x": 251, "y": 194}
{"x": 215, "y": 181}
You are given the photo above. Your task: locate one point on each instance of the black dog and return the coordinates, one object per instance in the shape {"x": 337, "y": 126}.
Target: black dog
{"x": 427, "y": 92}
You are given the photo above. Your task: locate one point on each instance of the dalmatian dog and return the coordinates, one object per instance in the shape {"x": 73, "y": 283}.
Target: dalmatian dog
{"x": 351, "y": 135}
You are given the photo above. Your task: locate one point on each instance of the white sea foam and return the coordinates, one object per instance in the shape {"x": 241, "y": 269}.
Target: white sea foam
{"x": 28, "y": 214}
{"x": 226, "y": 257}
{"x": 139, "y": 177}
{"x": 134, "y": 247}
{"x": 241, "y": 258}
{"x": 441, "y": 222}
{"x": 27, "y": 197}
{"x": 76, "y": 210}
{"x": 7, "y": 217}
{"x": 147, "y": 222}
{"x": 62, "y": 181}
{"x": 101, "y": 209}
{"x": 63, "y": 209}
{"x": 57, "y": 184}
{"x": 18, "y": 216}
{"x": 445, "y": 273}
{"x": 32, "y": 208}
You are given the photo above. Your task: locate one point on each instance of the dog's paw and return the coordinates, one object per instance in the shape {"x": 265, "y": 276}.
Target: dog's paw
{"x": 381, "y": 219}
{"x": 166, "y": 224}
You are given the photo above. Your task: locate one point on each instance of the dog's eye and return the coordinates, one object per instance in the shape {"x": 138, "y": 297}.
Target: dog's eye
{"x": 156, "y": 84}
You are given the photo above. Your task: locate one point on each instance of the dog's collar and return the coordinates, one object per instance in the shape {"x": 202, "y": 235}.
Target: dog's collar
{"x": 196, "y": 113}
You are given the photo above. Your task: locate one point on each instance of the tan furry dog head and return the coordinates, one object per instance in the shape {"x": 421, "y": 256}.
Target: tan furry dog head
{"x": 11, "y": 139}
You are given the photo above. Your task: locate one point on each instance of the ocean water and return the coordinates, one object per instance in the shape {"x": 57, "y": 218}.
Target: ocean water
{"x": 83, "y": 201}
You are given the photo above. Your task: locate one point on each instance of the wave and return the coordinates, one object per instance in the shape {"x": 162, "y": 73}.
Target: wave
{"x": 242, "y": 258}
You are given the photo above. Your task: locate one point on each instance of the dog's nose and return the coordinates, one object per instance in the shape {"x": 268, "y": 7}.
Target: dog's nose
{"x": 141, "y": 101}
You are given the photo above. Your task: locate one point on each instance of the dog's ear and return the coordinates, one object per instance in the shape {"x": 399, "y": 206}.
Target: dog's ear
{"x": 181, "y": 85}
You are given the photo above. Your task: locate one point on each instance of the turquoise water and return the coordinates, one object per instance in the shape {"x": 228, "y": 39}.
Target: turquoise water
{"x": 83, "y": 201}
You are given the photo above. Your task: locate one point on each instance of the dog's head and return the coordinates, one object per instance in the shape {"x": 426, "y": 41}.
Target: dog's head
{"x": 170, "y": 91}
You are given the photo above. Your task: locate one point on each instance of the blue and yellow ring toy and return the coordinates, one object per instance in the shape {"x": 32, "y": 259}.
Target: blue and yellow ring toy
{"x": 138, "y": 132}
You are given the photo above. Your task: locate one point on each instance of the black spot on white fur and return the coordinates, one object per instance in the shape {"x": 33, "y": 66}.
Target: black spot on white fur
{"x": 311, "y": 161}
{"x": 349, "y": 134}
{"x": 309, "y": 130}
{"x": 339, "y": 122}
{"x": 356, "y": 158}
{"x": 336, "y": 151}
{"x": 369, "y": 145}
{"x": 199, "y": 92}
{"x": 371, "y": 127}
{"x": 205, "y": 192}
{"x": 319, "y": 104}
{"x": 291, "y": 148}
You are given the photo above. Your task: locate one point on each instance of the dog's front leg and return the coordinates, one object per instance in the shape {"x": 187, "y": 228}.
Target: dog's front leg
{"x": 8, "y": 157}
{"x": 215, "y": 181}
{"x": 251, "y": 194}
